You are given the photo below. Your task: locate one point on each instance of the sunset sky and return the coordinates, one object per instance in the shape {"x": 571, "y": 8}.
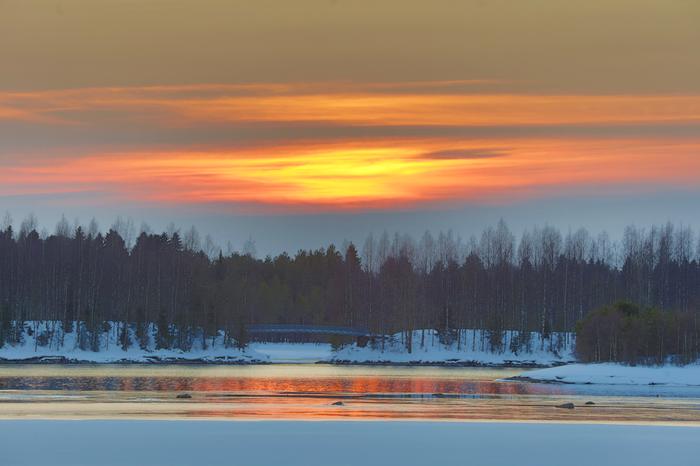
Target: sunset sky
{"x": 306, "y": 122}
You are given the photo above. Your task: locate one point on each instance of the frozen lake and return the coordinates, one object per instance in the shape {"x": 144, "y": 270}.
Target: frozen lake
{"x": 310, "y": 391}
{"x": 294, "y": 443}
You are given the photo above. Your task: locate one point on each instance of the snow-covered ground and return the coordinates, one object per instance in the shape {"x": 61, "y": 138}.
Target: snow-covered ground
{"x": 111, "y": 351}
{"x": 427, "y": 348}
{"x": 264, "y": 443}
{"x": 618, "y": 374}
{"x": 291, "y": 353}
{"x": 472, "y": 349}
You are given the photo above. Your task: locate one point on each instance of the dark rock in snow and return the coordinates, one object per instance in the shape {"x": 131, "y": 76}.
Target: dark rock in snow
{"x": 338, "y": 403}
{"x": 184, "y": 396}
{"x": 566, "y": 406}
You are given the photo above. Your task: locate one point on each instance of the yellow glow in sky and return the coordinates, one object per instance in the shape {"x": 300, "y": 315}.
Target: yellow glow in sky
{"x": 348, "y": 175}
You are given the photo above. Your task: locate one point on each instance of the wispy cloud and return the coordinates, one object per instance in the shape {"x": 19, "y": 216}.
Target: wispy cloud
{"x": 374, "y": 104}
{"x": 350, "y": 151}
{"x": 351, "y": 175}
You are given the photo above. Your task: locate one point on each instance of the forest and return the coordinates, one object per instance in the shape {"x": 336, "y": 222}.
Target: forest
{"x": 543, "y": 281}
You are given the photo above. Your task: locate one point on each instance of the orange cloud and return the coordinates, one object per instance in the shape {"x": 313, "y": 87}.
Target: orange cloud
{"x": 366, "y": 172}
{"x": 373, "y": 104}
{"x": 444, "y": 109}
{"x": 350, "y": 175}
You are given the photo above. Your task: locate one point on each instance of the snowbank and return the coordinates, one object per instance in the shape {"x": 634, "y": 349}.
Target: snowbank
{"x": 291, "y": 353}
{"x": 46, "y": 342}
{"x": 618, "y": 374}
{"x": 472, "y": 349}
{"x": 214, "y": 352}
{"x": 255, "y": 353}
{"x": 186, "y": 443}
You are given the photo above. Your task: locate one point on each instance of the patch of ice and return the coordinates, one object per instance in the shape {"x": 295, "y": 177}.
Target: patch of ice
{"x": 619, "y": 374}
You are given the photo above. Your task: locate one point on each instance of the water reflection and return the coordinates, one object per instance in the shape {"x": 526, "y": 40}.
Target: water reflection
{"x": 309, "y": 392}
{"x": 284, "y": 385}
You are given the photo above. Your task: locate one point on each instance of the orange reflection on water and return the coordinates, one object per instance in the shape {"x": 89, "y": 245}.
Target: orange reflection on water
{"x": 350, "y": 386}
{"x": 313, "y": 394}
{"x": 360, "y": 385}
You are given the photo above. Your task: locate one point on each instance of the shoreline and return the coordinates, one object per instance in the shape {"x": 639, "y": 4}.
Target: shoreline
{"x": 60, "y": 360}
{"x": 472, "y": 350}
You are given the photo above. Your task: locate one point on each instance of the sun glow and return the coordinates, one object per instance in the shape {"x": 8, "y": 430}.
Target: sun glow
{"x": 350, "y": 175}
{"x": 328, "y": 146}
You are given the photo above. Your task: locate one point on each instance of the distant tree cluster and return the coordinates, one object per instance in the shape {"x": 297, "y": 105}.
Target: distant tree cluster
{"x": 545, "y": 281}
{"x": 626, "y": 333}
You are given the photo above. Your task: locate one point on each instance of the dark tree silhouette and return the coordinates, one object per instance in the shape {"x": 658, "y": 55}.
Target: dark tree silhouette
{"x": 165, "y": 285}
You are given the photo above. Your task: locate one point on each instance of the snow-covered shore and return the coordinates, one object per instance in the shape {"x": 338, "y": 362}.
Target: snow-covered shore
{"x": 617, "y": 374}
{"x": 473, "y": 348}
{"x": 186, "y": 443}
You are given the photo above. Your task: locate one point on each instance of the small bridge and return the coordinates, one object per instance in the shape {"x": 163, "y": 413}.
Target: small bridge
{"x": 294, "y": 329}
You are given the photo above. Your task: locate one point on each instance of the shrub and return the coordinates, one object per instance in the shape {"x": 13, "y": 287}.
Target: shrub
{"x": 626, "y": 333}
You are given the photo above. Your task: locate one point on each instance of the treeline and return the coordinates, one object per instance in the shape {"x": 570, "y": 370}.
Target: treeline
{"x": 544, "y": 281}
{"x": 626, "y": 333}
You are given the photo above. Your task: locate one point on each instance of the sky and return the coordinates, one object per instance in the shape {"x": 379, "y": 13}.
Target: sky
{"x": 309, "y": 122}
